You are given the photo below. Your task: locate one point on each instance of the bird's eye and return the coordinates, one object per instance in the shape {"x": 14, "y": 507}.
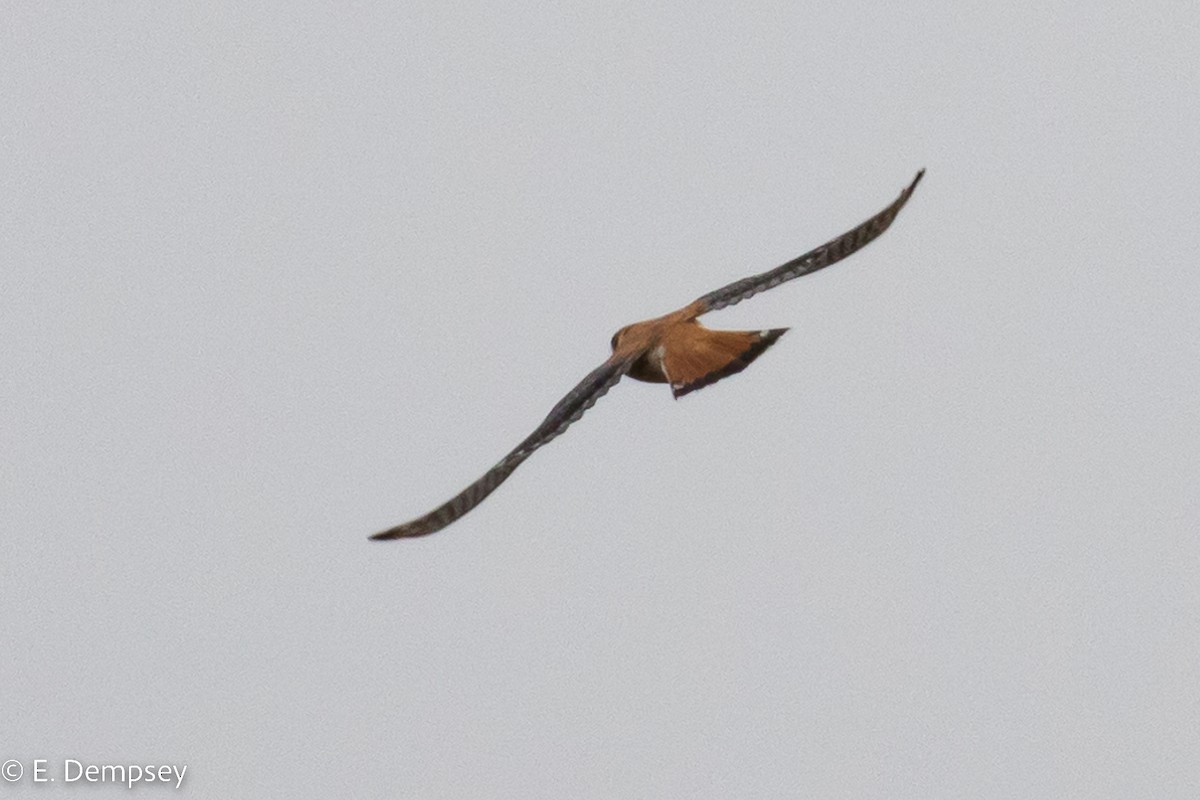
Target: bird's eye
{"x": 616, "y": 336}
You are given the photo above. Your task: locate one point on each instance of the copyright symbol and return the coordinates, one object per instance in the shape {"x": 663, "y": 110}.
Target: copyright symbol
{"x": 12, "y": 770}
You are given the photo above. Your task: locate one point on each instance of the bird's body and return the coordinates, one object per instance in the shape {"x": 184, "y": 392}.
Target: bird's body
{"x": 674, "y": 349}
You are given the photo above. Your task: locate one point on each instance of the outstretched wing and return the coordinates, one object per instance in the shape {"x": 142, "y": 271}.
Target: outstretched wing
{"x": 828, "y": 253}
{"x": 569, "y": 409}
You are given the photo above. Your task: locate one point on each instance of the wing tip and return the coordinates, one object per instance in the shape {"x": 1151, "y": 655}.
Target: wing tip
{"x": 384, "y": 536}
{"x": 409, "y": 530}
{"x": 915, "y": 181}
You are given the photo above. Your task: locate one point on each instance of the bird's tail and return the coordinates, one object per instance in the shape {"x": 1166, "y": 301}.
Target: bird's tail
{"x": 707, "y": 356}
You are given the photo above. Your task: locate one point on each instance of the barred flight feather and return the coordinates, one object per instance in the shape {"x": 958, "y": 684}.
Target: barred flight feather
{"x": 565, "y": 412}
{"x": 829, "y": 253}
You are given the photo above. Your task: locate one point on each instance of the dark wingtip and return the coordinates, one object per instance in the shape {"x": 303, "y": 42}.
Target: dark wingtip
{"x": 409, "y": 530}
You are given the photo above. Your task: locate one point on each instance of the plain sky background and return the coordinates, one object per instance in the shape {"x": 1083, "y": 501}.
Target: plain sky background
{"x": 275, "y": 278}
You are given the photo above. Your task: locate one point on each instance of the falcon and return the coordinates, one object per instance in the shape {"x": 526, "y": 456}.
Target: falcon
{"x": 674, "y": 349}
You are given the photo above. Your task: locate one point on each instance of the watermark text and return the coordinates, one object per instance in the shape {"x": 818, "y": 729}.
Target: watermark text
{"x": 74, "y": 771}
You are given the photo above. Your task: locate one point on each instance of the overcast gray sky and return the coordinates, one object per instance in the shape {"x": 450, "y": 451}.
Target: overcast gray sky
{"x": 273, "y": 279}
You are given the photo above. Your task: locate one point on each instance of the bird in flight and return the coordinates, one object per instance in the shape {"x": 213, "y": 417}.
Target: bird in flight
{"x": 674, "y": 349}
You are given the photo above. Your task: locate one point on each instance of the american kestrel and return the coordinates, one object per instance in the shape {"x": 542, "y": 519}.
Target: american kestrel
{"x": 674, "y": 349}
